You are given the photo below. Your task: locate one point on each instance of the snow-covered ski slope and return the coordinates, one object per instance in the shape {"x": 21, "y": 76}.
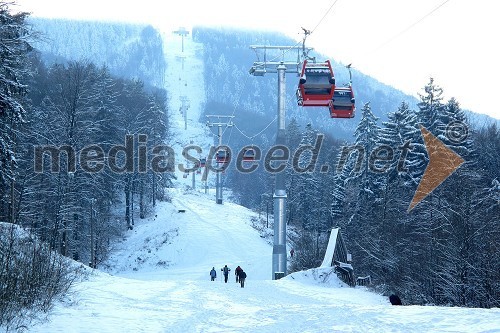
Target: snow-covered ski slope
{"x": 186, "y": 245}
{"x": 157, "y": 279}
{"x": 184, "y": 80}
{"x": 159, "y": 282}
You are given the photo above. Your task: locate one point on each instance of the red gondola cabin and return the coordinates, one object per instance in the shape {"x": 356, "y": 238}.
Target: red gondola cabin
{"x": 316, "y": 84}
{"x": 342, "y": 104}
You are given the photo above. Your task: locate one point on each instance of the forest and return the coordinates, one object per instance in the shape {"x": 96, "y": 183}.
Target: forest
{"x": 86, "y": 88}
{"x": 67, "y": 106}
{"x": 127, "y": 50}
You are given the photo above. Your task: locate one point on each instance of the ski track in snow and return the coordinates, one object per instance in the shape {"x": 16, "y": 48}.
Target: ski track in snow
{"x": 158, "y": 276}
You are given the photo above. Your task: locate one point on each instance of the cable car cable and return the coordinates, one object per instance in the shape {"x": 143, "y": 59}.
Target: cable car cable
{"x": 409, "y": 27}
{"x": 259, "y": 133}
{"x": 324, "y": 16}
{"x": 394, "y": 37}
{"x": 309, "y": 32}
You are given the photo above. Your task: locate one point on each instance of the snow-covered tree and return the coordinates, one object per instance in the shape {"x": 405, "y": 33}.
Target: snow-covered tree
{"x": 14, "y": 49}
{"x": 430, "y": 107}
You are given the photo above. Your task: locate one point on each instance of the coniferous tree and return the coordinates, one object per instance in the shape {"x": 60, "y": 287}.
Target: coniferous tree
{"x": 366, "y": 183}
{"x": 431, "y": 107}
{"x": 14, "y": 50}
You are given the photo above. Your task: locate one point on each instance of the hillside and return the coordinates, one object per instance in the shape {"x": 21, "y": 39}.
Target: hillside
{"x": 109, "y": 221}
{"x": 160, "y": 283}
{"x": 186, "y": 244}
{"x": 135, "y": 51}
{"x": 127, "y": 50}
{"x": 157, "y": 278}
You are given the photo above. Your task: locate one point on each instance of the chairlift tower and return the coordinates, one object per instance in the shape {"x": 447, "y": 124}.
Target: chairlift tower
{"x": 183, "y": 33}
{"x": 278, "y": 64}
{"x": 219, "y": 121}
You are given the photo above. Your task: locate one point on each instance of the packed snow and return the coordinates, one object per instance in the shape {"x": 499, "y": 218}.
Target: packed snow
{"x": 158, "y": 281}
{"x": 157, "y": 278}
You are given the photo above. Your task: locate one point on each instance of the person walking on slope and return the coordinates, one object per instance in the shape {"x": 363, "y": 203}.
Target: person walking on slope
{"x": 225, "y": 270}
{"x": 242, "y": 276}
{"x": 213, "y": 274}
{"x": 237, "y": 273}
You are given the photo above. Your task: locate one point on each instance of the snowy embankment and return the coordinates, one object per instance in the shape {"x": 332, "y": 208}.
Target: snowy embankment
{"x": 157, "y": 279}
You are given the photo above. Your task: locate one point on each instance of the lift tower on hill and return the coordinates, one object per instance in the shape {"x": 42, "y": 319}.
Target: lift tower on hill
{"x": 220, "y": 121}
{"x": 183, "y": 33}
{"x": 279, "y": 64}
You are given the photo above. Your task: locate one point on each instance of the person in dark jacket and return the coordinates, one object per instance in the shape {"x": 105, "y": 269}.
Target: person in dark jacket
{"x": 225, "y": 270}
{"x": 237, "y": 273}
{"x": 242, "y": 276}
{"x": 213, "y": 274}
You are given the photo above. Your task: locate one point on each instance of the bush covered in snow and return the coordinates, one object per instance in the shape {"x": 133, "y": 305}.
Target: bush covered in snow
{"x": 31, "y": 276}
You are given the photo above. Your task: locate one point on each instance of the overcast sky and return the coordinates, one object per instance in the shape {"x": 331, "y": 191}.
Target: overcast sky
{"x": 399, "y": 42}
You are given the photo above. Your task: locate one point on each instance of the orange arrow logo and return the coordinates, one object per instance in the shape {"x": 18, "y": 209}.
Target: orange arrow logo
{"x": 442, "y": 163}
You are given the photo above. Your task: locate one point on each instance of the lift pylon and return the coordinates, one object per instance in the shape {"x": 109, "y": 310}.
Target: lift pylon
{"x": 219, "y": 121}
{"x": 281, "y": 63}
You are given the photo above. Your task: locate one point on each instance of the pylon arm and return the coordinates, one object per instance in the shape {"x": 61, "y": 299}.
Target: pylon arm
{"x": 260, "y": 68}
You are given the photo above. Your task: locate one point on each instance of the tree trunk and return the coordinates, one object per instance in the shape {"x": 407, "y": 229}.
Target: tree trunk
{"x": 127, "y": 204}
{"x": 142, "y": 205}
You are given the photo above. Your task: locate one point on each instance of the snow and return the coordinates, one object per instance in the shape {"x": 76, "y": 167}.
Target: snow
{"x": 178, "y": 296}
{"x": 184, "y": 80}
{"x": 207, "y": 235}
{"x": 157, "y": 279}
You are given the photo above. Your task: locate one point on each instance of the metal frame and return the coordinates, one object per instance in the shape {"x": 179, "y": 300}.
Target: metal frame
{"x": 221, "y": 120}
{"x": 281, "y": 67}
